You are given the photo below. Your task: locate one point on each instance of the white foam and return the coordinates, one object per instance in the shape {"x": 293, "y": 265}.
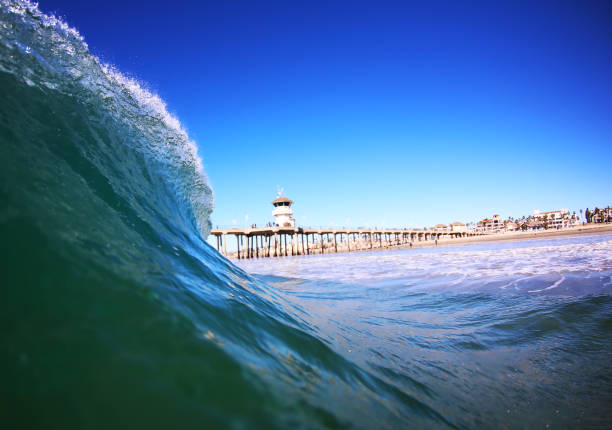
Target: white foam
{"x": 555, "y": 285}
{"x": 506, "y": 264}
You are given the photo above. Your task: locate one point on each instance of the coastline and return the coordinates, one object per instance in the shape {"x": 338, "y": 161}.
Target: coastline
{"x": 582, "y": 230}
{"x": 513, "y": 236}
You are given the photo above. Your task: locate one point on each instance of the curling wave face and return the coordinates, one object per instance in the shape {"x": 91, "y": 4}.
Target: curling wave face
{"x": 115, "y": 311}
{"x": 45, "y": 54}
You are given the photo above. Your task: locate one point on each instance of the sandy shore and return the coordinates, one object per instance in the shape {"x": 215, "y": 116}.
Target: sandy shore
{"x": 516, "y": 236}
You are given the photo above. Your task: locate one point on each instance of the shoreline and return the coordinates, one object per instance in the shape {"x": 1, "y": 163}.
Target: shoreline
{"x": 474, "y": 240}
{"x": 514, "y": 237}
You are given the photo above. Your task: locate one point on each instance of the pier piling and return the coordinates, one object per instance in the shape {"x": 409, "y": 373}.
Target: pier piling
{"x": 295, "y": 241}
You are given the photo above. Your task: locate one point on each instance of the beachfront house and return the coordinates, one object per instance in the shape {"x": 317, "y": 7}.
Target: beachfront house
{"x": 458, "y": 227}
{"x": 441, "y": 228}
{"x": 511, "y": 226}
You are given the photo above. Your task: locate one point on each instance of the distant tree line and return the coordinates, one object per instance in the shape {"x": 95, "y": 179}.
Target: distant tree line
{"x": 598, "y": 215}
{"x": 536, "y": 222}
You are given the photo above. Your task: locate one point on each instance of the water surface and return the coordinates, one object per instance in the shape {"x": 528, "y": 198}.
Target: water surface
{"x": 512, "y": 334}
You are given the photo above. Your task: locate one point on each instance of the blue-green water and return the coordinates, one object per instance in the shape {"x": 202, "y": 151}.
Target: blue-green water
{"x": 115, "y": 313}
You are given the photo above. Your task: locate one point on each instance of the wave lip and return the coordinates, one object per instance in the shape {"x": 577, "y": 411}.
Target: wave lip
{"x": 44, "y": 52}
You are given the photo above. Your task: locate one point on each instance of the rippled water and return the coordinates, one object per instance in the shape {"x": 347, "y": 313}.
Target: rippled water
{"x": 510, "y": 335}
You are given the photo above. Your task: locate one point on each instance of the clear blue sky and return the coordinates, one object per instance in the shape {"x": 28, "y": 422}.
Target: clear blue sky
{"x": 407, "y": 114}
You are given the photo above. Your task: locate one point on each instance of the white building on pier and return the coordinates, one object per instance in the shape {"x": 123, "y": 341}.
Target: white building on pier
{"x": 282, "y": 211}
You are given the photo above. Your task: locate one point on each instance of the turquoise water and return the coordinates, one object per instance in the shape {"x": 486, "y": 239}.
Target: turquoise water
{"x": 115, "y": 312}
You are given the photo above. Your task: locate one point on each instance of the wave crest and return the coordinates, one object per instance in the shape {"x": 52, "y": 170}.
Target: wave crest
{"x": 45, "y": 52}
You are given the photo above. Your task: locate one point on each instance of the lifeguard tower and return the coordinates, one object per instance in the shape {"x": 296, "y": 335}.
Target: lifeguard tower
{"x": 282, "y": 210}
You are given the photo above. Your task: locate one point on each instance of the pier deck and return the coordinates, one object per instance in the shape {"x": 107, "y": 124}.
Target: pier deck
{"x": 260, "y": 242}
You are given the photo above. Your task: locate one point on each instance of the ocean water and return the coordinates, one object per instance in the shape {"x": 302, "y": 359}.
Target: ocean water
{"x": 504, "y": 335}
{"x": 115, "y": 312}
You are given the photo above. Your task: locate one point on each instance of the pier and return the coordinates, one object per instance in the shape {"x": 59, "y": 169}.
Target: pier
{"x": 278, "y": 241}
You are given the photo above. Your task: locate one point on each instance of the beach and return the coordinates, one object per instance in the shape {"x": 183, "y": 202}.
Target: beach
{"x": 518, "y": 236}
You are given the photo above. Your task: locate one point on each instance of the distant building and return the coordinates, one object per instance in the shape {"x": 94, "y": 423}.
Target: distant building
{"x": 490, "y": 225}
{"x": 441, "y": 228}
{"x": 556, "y": 219}
{"x": 511, "y": 226}
{"x": 458, "y": 227}
{"x": 282, "y": 211}
{"x": 601, "y": 215}
{"x": 534, "y": 225}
